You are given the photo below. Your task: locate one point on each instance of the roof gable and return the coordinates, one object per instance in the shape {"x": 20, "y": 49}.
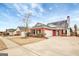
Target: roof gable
{"x": 10, "y": 30}
{"x": 22, "y": 28}
{"x": 40, "y": 25}
{"x": 62, "y": 24}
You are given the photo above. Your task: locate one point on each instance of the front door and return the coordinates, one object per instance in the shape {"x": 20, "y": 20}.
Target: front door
{"x": 61, "y": 32}
{"x": 54, "y": 32}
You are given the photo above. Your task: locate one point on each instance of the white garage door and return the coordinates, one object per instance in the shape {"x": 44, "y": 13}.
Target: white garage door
{"x": 48, "y": 33}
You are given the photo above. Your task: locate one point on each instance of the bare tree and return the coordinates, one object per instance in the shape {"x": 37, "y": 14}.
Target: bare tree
{"x": 26, "y": 20}
{"x": 26, "y": 24}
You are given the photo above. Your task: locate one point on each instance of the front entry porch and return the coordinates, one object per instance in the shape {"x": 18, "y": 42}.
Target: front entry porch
{"x": 37, "y": 32}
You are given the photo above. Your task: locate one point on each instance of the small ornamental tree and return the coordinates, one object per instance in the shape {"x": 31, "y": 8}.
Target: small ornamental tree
{"x": 71, "y": 31}
{"x": 75, "y": 30}
{"x": 66, "y": 32}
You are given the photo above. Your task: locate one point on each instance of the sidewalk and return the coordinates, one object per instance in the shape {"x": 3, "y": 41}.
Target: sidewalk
{"x": 15, "y": 50}
{"x": 2, "y": 45}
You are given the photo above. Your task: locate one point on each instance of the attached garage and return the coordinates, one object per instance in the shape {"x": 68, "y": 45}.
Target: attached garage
{"x": 48, "y": 33}
{"x": 61, "y": 33}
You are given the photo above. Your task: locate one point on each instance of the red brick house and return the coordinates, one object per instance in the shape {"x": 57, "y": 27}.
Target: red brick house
{"x": 58, "y": 28}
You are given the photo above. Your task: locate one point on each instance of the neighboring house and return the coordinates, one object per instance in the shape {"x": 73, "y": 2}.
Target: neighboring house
{"x": 58, "y": 28}
{"x": 10, "y": 31}
{"x": 19, "y": 30}
{"x": 78, "y": 31}
{"x": 1, "y": 33}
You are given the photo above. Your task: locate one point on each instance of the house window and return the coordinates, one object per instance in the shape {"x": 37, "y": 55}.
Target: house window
{"x": 33, "y": 31}
{"x": 39, "y": 31}
{"x": 62, "y": 32}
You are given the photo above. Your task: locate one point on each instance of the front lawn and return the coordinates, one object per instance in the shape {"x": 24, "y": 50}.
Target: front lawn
{"x": 22, "y": 41}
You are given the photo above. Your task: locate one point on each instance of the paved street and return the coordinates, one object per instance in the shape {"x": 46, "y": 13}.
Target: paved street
{"x": 55, "y": 46}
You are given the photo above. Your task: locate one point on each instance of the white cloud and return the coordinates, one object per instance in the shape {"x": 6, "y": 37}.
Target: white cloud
{"x": 18, "y": 8}
{"x": 34, "y": 5}
{"x": 38, "y": 6}
{"x": 41, "y": 9}
{"x": 50, "y": 8}
{"x": 23, "y": 9}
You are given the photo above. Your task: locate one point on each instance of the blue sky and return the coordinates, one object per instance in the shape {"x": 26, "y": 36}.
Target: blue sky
{"x": 12, "y": 14}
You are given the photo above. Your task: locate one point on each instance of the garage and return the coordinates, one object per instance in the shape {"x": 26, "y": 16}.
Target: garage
{"x": 48, "y": 33}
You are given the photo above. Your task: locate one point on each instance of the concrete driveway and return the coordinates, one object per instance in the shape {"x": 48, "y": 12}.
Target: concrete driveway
{"x": 54, "y": 46}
